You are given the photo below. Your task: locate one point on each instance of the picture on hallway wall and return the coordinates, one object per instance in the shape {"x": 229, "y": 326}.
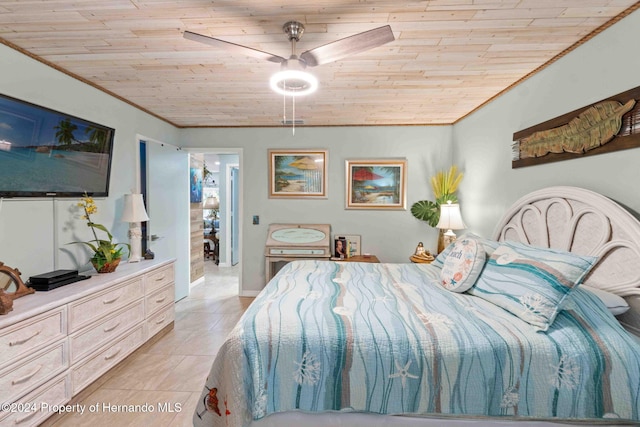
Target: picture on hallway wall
{"x": 376, "y": 184}
{"x": 297, "y": 174}
{"x": 195, "y": 179}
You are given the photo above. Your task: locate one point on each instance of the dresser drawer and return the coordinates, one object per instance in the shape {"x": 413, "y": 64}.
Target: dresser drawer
{"x": 101, "y": 361}
{"x": 39, "y": 405}
{"x": 92, "y": 337}
{"x": 89, "y": 309}
{"x": 157, "y": 279}
{"x": 159, "y": 299}
{"x": 30, "y": 335}
{"x": 32, "y": 371}
{"x": 160, "y": 320}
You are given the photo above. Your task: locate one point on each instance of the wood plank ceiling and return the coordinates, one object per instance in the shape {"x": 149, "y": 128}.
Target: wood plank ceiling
{"x": 449, "y": 56}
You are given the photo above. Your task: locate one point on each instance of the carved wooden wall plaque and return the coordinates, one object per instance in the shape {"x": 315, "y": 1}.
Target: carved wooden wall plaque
{"x": 609, "y": 125}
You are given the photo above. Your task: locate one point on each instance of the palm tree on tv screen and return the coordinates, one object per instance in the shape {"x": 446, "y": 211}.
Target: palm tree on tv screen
{"x": 97, "y": 137}
{"x": 64, "y": 132}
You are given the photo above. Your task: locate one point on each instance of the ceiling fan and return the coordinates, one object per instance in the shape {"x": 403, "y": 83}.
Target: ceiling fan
{"x": 293, "y": 79}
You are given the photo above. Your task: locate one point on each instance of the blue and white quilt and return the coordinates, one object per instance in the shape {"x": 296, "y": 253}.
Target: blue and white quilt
{"x": 388, "y": 339}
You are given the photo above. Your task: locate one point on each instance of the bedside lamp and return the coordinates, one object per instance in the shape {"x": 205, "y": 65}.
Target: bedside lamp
{"x": 450, "y": 219}
{"x": 134, "y": 213}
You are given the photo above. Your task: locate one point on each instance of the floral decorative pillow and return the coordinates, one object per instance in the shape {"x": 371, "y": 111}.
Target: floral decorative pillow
{"x": 463, "y": 265}
{"x": 532, "y": 283}
{"x": 488, "y": 245}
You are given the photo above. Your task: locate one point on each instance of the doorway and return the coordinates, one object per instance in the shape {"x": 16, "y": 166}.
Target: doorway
{"x": 225, "y": 183}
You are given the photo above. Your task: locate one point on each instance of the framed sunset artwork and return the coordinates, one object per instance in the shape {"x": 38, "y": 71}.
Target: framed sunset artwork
{"x": 376, "y": 184}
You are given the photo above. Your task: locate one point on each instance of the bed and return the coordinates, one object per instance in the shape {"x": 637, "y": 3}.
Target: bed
{"x": 361, "y": 344}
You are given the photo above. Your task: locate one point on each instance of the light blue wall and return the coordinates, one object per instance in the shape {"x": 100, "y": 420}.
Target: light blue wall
{"x": 606, "y": 65}
{"x": 391, "y": 235}
{"x": 33, "y": 233}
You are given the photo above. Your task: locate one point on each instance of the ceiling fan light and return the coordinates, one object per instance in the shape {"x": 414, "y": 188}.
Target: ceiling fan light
{"x": 293, "y": 82}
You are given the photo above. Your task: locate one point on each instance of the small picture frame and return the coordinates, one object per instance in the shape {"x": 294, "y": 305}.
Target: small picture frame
{"x": 297, "y": 174}
{"x": 340, "y": 248}
{"x": 376, "y": 184}
{"x": 353, "y": 243}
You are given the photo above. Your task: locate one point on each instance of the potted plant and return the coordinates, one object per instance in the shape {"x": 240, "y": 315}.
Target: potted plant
{"x": 106, "y": 254}
{"x": 444, "y": 185}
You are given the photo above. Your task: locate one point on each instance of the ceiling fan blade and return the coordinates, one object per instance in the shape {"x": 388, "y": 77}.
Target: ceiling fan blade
{"x": 233, "y": 48}
{"x": 348, "y": 46}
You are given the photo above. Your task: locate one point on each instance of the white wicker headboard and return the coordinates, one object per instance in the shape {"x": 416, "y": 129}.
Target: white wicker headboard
{"x": 587, "y": 223}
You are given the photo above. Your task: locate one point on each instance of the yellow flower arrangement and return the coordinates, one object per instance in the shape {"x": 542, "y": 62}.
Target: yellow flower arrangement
{"x": 105, "y": 253}
{"x": 444, "y": 185}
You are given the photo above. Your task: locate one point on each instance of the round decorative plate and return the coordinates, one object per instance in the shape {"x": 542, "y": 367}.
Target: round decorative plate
{"x": 297, "y": 235}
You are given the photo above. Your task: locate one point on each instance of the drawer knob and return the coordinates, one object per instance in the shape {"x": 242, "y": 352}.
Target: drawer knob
{"x": 111, "y": 328}
{"x": 27, "y": 377}
{"x": 160, "y": 279}
{"x": 24, "y": 340}
{"x": 161, "y": 320}
{"x": 159, "y": 300}
{"x": 112, "y": 355}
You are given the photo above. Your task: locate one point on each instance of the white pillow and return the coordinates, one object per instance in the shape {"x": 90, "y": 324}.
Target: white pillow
{"x": 463, "y": 265}
{"x": 615, "y": 303}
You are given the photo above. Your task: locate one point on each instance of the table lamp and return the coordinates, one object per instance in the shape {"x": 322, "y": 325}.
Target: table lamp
{"x": 450, "y": 219}
{"x": 134, "y": 213}
{"x": 211, "y": 202}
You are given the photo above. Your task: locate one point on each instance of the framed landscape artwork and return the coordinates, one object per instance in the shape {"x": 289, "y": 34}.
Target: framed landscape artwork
{"x": 297, "y": 174}
{"x": 376, "y": 184}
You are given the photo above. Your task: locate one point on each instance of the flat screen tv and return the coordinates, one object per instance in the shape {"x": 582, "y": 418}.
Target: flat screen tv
{"x": 45, "y": 153}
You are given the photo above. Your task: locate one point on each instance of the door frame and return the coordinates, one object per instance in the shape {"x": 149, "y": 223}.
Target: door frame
{"x": 227, "y": 225}
{"x": 239, "y": 152}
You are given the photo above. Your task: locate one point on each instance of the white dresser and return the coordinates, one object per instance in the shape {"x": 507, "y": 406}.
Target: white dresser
{"x": 56, "y": 343}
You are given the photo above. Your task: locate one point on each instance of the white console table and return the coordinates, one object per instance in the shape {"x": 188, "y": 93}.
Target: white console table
{"x": 54, "y": 344}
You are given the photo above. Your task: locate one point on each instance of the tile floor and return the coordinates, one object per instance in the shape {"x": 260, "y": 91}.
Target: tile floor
{"x": 172, "y": 370}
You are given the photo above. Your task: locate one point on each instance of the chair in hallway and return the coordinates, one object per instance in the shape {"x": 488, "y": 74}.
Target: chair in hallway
{"x": 212, "y": 248}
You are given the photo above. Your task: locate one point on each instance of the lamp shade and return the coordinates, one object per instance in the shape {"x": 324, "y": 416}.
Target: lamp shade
{"x": 211, "y": 202}
{"x": 450, "y": 217}
{"x": 134, "y": 209}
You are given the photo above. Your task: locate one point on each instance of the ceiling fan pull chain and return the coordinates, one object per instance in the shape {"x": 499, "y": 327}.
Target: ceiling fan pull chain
{"x": 293, "y": 98}
{"x": 284, "y": 110}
